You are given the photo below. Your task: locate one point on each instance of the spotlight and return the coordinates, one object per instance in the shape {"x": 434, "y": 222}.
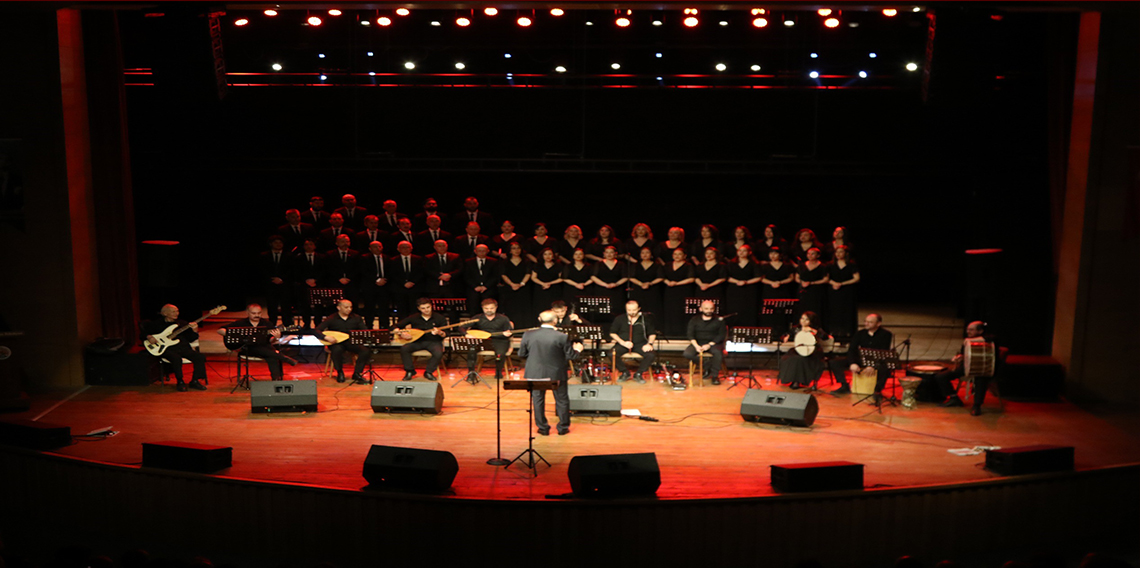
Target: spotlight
{"x": 912, "y": 67}
{"x": 831, "y": 23}
{"x": 370, "y": 54}
{"x": 615, "y": 66}
{"x": 824, "y": 12}
{"x": 491, "y": 11}
{"x": 814, "y": 74}
{"x": 589, "y": 23}
{"x": 691, "y": 22}
{"x": 409, "y": 65}
{"x": 314, "y": 21}
{"x": 560, "y": 69}
{"x": 270, "y": 13}
{"x": 916, "y": 9}
{"x": 434, "y": 24}
{"x": 723, "y": 23}
{"x": 622, "y": 22}
{"x": 657, "y": 22}
{"x": 872, "y": 55}
{"x": 365, "y": 23}
{"x": 321, "y": 55}
{"x": 789, "y": 23}
{"x": 460, "y": 66}
{"x": 758, "y": 11}
{"x": 815, "y": 56}
{"x": 335, "y": 12}
{"x": 556, "y": 12}
{"x": 241, "y": 22}
{"x": 862, "y": 74}
{"x": 403, "y": 11}
{"x": 721, "y": 67}
{"x": 890, "y": 12}
{"x": 462, "y": 22}
{"x": 755, "y": 68}
{"x": 760, "y": 22}
{"x": 524, "y": 21}
{"x": 276, "y": 66}
{"x": 371, "y": 73}
{"x": 659, "y": 78}
{"x": 692, "y": 11}
{"x": 506, "y": 56}
{"x": 324, "y": 77}
{"x": 659, "y": 56}
{"x": 384, "y": 21}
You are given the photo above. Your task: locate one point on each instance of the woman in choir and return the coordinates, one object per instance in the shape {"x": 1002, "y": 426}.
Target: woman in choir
{"x": 571, "y": 239}
{"x": 710, "y": 237}
{"x": 576, "y": 278}
{"x": 641, "y": 237}
{"x": 777, "y": 282}
{"x": 742, "y": 291}
{"x": 741, "y": 236}
{"x": 771, "y": 239}
{"x": 676, "y": 240}
{"x": 805, "y": 239}
{"x": 515, "y": 290}
{"x": 710, "y": 276}
{"x": 798, "y": 370}
{"x": 605, "y": 238}
{"x": 541, "y": 240}
{"x": 547, "y": 277}
{"x": 610, "y": 276}
{"x": 838, "y": 239}
{"x": 812, "y": 276}
{"x": 645, "y": 283}
{"x": 842, "y": 312}
{"x": 678, "y": 282}
{"x": 501, "y": 243}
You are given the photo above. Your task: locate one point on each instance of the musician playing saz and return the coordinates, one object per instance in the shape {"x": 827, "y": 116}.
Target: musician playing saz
{"x": 181, "y": 350}
{"x": 258, "y": 349}
{"x": 345, "y": 321}
{"x": 432, "y": 341}
{"x": 975, "y": 331}
{"x": 498, "y": 324}
{"x": 872, "y": 336}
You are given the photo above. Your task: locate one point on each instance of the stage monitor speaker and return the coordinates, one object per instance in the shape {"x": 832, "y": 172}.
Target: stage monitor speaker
{"x": 407, "y": 397}
{"x": 186, "y": 456}
{"x": 1030, "y": 459}
{"x": 390, "y": 467}
{"x": 595, "y": 398}
{"x": 792, "y": 408}
{"x": 34, "y": 435}
{"x": 283, "y": 396}
{"x": 615, "y": 475}
{"x": 819, "y": 476}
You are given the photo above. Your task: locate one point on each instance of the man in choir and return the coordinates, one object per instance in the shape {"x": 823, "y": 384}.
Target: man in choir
{"x": 343, "y": 265}
{"x": 707, "y": 333}
{"x": 403, "y": 233}
{"x": 308, "y": 273}
{"x": 316, "y": 215}
{"x": 353, "y": 215}
{"x": 975, "y": 331}
{"x": 260, "y": 349}
{"x": 371, "y": 233}
{"x": 472, "y": 214}
{"x": 466, "y": 243}
{"x": 480, "y": 274}
{"x": 174, "y": 354}
{"x": 431, "y": 207}
{"x": 388, "y": 221}
{"x": 431, "y": 341}
{"x": 275, "y": 267}
{"x": 634, "y": 331}
{"x": 493, "y": 322}
{"x": 407, "y": 278}
{"x": 425, "y": 239}
{"x": 872, "y": 336}
{"x": 375, "y": 297}
{"x": 335, "y": 229}
{"x": 294, "y": 232}
{"x": 443, "y": 269}
{"x": 345, "y": 321}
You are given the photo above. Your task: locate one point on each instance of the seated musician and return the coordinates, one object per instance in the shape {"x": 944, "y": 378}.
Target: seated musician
{"x": 872, "y": 336}
{"x": 344, "y": 321}
{"x": 493, "y": 322}
{"x": 976, "y": 331}
{"x": 707, "y": 333}
{"x": 181, "y": 350}
{"x": 432, "y": 341}
{"x": 260, "y": 346}
{"x": 561, "y": 319}
{"x": 634, "y": 331}
{"x": 796, "y": 369}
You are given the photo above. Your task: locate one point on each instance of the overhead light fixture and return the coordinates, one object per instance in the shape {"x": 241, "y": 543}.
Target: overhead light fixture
{"x": 462, "y": 22}
{"x": 691, "y": 22}
{"x": 760, "y": 22}
{"x": 556, "y": 12}
{"x": 615, "y": 66}
{"x": 622, "y": 22}
{"x": 721, "y": 67}
{"x": 314, "y": 21}
{"x": 560, "y": 69}
{"x": 890, "y": 12}
{"x": 241, "y": 22}
{"x": 824, "y": 12}
{"x": 460, "y": 66}
{"x": 335, "y": 12}
{"x": 403, "y": 11}
{"x": 491, "y": 11}
{"x": 831, "y": 22}
{"x": 384, "y": 21}
{"x": 912, "y": 67}
{"x": 524, "y": 21}
{"x": 755, "y": 67}
{"x": 270, "y": 13}
{"x": 814, "y": 74}
{"x": 276, "y": 66}
{"x": 409, "y": 65}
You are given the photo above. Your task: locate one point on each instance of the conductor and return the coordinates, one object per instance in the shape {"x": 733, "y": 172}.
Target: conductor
{"x": 546, "y": 351}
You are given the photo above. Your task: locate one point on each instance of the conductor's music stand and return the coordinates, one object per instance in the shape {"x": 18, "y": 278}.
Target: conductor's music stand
{"x": 782, "y": 307}
{"x": 595, "y": 305}
{"x": 875, "y": 358}
{"x": 450, "y": 306}
{"x": 529, "y": 385}
{"x": 752, "y": 336}
{"x": 470, "y": 346}
{"x": 592, "y": 333}
{"x": 239, "y": 339}
{"x": 372, "y": 339}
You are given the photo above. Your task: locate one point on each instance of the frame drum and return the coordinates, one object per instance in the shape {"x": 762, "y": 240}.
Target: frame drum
{"x": 805, "y": 343}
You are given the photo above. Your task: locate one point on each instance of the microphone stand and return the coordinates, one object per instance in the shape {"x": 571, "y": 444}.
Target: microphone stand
{"x": 498, "y": 459}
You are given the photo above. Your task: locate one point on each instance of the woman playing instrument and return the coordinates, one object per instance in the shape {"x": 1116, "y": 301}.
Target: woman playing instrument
{"x": 678, "y": 281}
{"x": 641, "y": 237}
{"x": 534, "y": 246}
{"x": 645, "y": 283}
{"x": 710, "y": 276}
{"x": 805, "y": 240}
{"x": 571, "y": 239}
{"x": 842, "y": 313}
{"x": 665, "y": 248}
{"x": 604, "y": 238}
{"x": 547, "y": 278}
{"x": 812, "y": 277}
{"x": 610, "y": 276}
{"x": 501, "y": 243}
{"x": 803, "y": 363}
{"x": 710, "y": 237}
{"x": 576, "y": 277}
{"x": 515, "y": 289}
{"x": 777, "y": 282}
{"x": 742, "y": 290}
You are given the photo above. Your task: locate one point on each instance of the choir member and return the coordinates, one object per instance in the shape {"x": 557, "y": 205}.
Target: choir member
{"x": 678, "y": 281}
{"x": 741, "y": 236}
{"x": 710, "y": 276}
{"x": 316, "y": 215}
{"x": 294, "y": 231}
{"x": 645, "y": 282}
{"x": 425, "y": 239}
{"x": 547, "y": 277}
{"x": 481, "y": 276}
{"x": 472, "y": 214}
{"x": 277, "y": 278}
{"x": 352, "y": 214}
{"x": 309, "y": 273}
{"x": 541, "y": 240}
{"x": 375, "y": 294}
{"x": 805, "y": 240}
{"x": 676, "y": 239}
{"x": 515, "y": 289}
{"x": 571, "y": 239}
{"x": 577, "y": 277}
{"x": 742, "y": 292}
{"x": 842, "y": 312}
{"x": 604, "y": 238}
{"x": 812, "y": 277}
{"x": 407, "y": 279}
{"x": 777, "y": 280}
{"x": 431, "y": 207}
{"x": 442, "y": 270}
{"x": 771, "y": 239}
{"x": 610, "y": 276}
{"x": 501, "y": 243}
{"x": 710, "y": 237}
{"x": 370, "y": 233}
{"x": 336, "y": 228}
{"x": 641, "y": 237}
{"x": 465, "y": 244}
{"x": 389, "y": 219}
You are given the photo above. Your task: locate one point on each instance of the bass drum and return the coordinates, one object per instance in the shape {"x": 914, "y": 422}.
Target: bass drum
{"x": 978, "y": 358}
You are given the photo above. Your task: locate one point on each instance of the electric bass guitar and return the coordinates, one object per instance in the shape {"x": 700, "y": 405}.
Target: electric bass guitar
{"x": 169, "y": 335}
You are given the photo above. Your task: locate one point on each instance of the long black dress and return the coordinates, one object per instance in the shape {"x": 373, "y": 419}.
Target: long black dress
{"x": 707, "y": 276}
{"x": 532, "y": 247}
{"x": 516, "y": 304}
{"x": 742, "y": 300}
{"x": 565, "y": 249}
{"x": 814, "y": 297}
{"x": 665, "y": 252}
{"x": 795, "y": 369}
{"x": 631, "y": 248}
{"x": 673, "y": 298}
{"x": 650, "y": 299}
{"x": 778, "y": 322}
{"x": 842, "y": 313}
{"x": 596, "y": 247}
{"x": 697, "y": 249}
{"x": 581, "y": 276}
{"x": 611, "y": 276}
{"x": 542, "y": 298}
{"x": 501, "y": 248}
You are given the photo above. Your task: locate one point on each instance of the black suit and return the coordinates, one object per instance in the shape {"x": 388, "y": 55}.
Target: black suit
{"x": 375, "y": 299}
{"x": 474, "y": 277}
{"x": 336, "y": 351}
{"x": 279, "y": 294}
{"x": 403, "y": 296}
{"x": 485, "y": 220}
{"x": 435, "y": 269}
{"x": 425, "y": 242}
{"x": 390, "y": 225}
{"x": 638, "y": 333}
{"x": 396, "y": 237}
{"x": 327, "y": 238}
{"x": 318, "y": 219}
{"x": 355, "y": 220}
{"x": 547, "y": 351}
{"x": 346, "y": 265}
{"x": 174, "y": 354}
{"x": 362, "y": 239}
{"x": 463, "y": 247}
{"x": 294, "y": 237}
{"x": 419, "y": 222}
{"x": 427, "y": 342}
{"x": 303, "y": 271}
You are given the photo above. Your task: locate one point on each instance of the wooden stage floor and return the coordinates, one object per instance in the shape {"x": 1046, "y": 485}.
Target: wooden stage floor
{"x": 704, "y": 448}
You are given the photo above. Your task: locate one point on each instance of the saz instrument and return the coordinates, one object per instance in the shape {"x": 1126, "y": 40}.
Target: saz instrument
{"x": 408, "y": 335}
{"x": 168, "y": 335}
{"x": 333, "y": 337}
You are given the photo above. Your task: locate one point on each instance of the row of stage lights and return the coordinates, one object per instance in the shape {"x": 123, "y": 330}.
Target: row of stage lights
{"x": 622, "y": 20}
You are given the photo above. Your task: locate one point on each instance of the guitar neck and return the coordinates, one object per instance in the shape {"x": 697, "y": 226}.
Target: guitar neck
{"x": 175, "y": 333}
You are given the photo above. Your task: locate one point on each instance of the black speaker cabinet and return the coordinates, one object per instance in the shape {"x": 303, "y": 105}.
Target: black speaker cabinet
{"x": 119, "y": 367}
{"x": 34, "y": 435}
{"x": 595, "y": 398}
{"x": 820, "y": 476}
{"x": 185, "y": 456}
{"x": 389, "y": 467}
{"x": 407, "y": 396}
{"x": 1030, "y": 459}
{"x": 616, "y": 475}
{"x": 283, "y": 396}
{"x": 793, "y": 408}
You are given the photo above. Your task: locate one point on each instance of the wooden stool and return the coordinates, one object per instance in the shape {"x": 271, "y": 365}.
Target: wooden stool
{"x": 628, "y": 356}
{"x": 330, "y": 371}
{"x": 699, "y": 378}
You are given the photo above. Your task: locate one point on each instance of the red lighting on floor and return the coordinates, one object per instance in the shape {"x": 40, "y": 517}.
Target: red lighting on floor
{"x": 760, "y": 22}
{"x": 462, "y": 22}
{"x": 890, "y": 12}
{"x": 403, "y": 11}
{"x": 831, "y": 22}
{"x": 556, "y": 12}
{"x": 691, "y": 22}
{"x": 334, "y": 12}
{"x": 384, "y": 21}
{"x": 824, "y": 12}
{"x": 490, "y": 11}
{"x": 270, "y": 13}
{"x": 622, "y": 22}
{"x": 524, "y": 21}
{"x": 241, "y": 22}
{"x": 314, "y": 21}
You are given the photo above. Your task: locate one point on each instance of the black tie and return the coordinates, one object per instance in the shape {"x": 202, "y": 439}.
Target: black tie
{"x": 311, "y": 259}
{"x": 407, "y": 265}
{"x": 379, "y": 269}
{"x": 442, "y": 265}
{"x": 276, "y": 258}
{"x": 472, "y": 239}
{"x": 297, "y": 229}
{"x": 434, "y": 236}
{"x": 344, "y": 257}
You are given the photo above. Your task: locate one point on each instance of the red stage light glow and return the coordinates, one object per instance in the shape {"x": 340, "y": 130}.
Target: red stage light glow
{"x": 403, "y": 11}
{"x": 384, "y": 21}
{"x": 462, "y": 22}
{"x": 314, "y": 21}
{"x": 241, "y": 22}
{"x": 622, "y": 22}
{"x": 691, "y": 22}
{"x": 890, "y": 12}
{"x": 760, "y": 22}
{"x": 831, "y": 22}
{"x": 524, "y": 21}
{"x": 335, "y": 12}
{"x": 270, "y": 13}
{"x": 490, "y": 11}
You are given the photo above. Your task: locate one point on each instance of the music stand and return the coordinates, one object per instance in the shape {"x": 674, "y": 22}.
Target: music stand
{"x": 529, "y": 385}
{"x": 780, "y": 306}
{"x": 471, "y": 346}
{"x": 450, "y": 306}
{"x": 593, "y": 333}
{"x": 595, "y": 305}
{"x": 888, "y": 359}
{"x": 372, "y": 339}
{"x": 752, "y": 336}
{"x": 239, "y": 339}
